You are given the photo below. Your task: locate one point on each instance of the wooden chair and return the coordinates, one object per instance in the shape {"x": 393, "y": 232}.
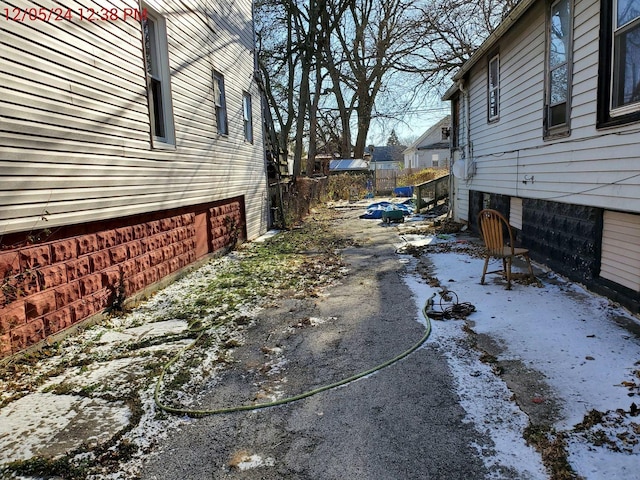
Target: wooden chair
{"x": 492, "y": 226}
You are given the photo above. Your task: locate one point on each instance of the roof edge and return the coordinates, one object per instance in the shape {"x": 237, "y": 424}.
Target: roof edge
{"x": 512, "y": 17}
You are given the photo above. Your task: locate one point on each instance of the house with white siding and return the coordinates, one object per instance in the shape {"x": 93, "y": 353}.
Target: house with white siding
{"x": 130, "y": 147}
{"x": 546, "y": 129}
{"x": 431, "y": 149}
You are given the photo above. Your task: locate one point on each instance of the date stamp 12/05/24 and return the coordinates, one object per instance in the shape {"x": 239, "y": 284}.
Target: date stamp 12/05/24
{"x": 58, "y": 14}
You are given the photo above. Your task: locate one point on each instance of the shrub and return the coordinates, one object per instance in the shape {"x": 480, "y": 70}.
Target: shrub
{"x": 342, "y": 186}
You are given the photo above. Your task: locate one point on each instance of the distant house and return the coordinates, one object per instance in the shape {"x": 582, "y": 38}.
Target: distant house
{"x": 388, "y": 157}
{"x": 131, "y": 148}
{"x": 431, "y": 149}
{"x": 546, "y": 129}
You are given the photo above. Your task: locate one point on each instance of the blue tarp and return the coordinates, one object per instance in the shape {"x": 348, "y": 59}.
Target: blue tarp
{"x": 403, "y": 192}
{"x": 374, "y": 211}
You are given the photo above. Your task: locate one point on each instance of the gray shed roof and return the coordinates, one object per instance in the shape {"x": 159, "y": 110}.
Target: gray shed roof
{"x": 348, "y": 165}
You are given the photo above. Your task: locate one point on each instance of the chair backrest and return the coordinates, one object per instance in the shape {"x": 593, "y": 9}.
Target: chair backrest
{"x": 492, "y": 226}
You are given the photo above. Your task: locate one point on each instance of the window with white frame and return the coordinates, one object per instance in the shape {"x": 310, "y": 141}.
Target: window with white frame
{"x": 494, "y": 87}
{"x": 156, "y": 59}
{"x": 220, "y": 101}
{"x": 619, "y": 67}
{"x": 247, "y": 116}
{"x": 558, "y": 81}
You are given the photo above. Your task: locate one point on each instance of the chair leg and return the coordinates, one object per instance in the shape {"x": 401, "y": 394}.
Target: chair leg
{"x": 508, "y": 272}
{"x": 484, "y": 270}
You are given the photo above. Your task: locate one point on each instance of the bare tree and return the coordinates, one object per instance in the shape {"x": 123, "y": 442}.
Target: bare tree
{"x": 278, "y": 61}
{"x": 455, "y": 29}
{"x": 376, "y": 40}
{"x": 291, "y": 42}
{"x": 328, "y": 61}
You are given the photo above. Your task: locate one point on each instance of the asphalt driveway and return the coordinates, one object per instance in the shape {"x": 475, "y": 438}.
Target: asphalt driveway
{"x": 403, "y": 422}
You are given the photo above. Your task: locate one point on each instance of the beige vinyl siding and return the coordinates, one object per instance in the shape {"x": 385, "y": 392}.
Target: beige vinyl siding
{"x": 74, "y": 121}
{"x": 621, "y": 249}
{"x": 515, "y": 213}
{"x": 599, "y": 168}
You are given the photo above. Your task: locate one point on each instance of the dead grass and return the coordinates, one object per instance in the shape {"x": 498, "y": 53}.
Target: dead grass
{"x": 422, "y": 176}
{"x": 344, "y": 186}
{"x": 553, "y": 449}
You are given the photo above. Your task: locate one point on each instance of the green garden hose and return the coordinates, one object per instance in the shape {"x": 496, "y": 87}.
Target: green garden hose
{"x": 238, "y": 408}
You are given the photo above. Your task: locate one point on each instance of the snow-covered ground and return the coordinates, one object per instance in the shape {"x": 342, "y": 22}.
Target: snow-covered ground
{"x": 562, "y": 331}
{"x": 559, "y": 329}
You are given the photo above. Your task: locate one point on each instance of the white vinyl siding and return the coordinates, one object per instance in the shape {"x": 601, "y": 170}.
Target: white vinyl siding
{"x": 621, "y": 249}
{"x": 75, "y": 142}
{"x": 599, "y": 168}
{"x": 584, "y": 84}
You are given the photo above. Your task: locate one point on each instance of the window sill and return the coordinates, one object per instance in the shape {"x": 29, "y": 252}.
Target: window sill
{"x": 557, "y": 133}
{"x": 160, "y": 145}
{"x": 618, "y": 120}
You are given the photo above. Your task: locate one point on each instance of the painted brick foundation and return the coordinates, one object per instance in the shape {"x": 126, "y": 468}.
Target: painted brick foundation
{"x": 51, "y": 286}
{"x": 566, "y": 237}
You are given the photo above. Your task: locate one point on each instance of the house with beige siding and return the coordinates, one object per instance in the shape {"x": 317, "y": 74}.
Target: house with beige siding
{"x": 130, "y": 147}
{"x": 546, "y": 129}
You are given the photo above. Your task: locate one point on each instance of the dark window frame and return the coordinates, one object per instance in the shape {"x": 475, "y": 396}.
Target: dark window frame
{"x": 455, "y": 121}
{"x": 607, "y": 116}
